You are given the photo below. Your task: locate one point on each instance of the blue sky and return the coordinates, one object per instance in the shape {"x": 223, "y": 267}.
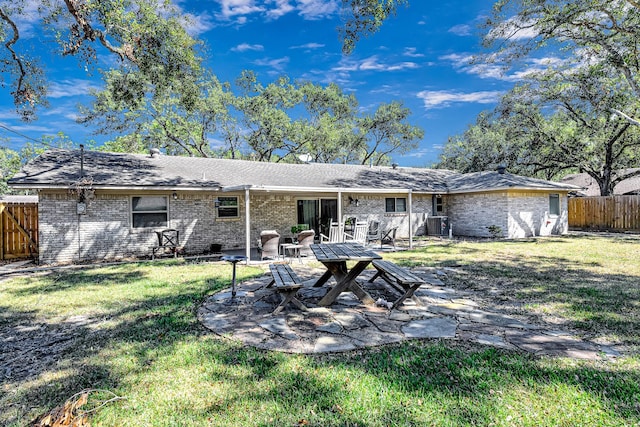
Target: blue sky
{"x": 419, "y": 57}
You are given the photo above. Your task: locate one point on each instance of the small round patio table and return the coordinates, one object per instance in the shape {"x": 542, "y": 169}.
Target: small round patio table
{"x": 233, "y": 259}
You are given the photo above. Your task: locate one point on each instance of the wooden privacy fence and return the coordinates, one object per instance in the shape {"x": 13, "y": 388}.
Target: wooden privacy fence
{"x": 18, "y": 230}
{"x": 614, "y": 213}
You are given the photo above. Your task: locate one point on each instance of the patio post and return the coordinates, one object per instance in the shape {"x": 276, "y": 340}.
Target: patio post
{"x": 247, "y": 224}
{"x": 340, "y": 223}
{"x": 410, "y": 200}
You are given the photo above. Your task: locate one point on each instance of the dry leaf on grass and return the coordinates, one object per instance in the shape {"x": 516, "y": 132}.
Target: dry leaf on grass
{"x": 69, "y": 414}
{"x": 66, "y": 415}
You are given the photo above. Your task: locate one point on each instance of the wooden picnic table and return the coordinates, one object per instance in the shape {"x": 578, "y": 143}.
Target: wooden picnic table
{"x": 334, "y": 256}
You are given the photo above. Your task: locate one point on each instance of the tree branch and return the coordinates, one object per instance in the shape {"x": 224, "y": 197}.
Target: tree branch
{"x": 20, "y": 92}
{"x": 624, "y": 116}
{"x": 91, "y": 34}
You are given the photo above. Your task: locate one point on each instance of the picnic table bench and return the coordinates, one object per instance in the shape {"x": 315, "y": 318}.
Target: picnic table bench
{"x": 399, "y": 278}
{"x": 286, "y": 282}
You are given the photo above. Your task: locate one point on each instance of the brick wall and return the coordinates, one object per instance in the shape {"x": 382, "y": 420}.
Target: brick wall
{"x": 105, "y": 231}
{"x": 516, "y": 213}
{"x": 529, "y": 215}
{"x": 372, "y": 208}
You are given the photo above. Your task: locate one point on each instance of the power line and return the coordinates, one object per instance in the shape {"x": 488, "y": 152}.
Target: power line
{"x": 18, "y": 133}
{"x": 39, "y": 141}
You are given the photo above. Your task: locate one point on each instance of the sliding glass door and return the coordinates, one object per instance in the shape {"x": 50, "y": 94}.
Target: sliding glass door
{"x": 318, "y": 214}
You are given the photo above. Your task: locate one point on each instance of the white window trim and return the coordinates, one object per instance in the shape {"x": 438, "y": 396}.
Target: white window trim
{"x": 237, "y": 208}
{"x": 132, "y": 212}
{"x": 395, "y": 205}
{"x": 554, "y": 215}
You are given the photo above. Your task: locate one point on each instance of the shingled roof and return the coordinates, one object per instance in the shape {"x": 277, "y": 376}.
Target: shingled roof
{"x": 61, "y": 169}
{"x": 481, "y": 181}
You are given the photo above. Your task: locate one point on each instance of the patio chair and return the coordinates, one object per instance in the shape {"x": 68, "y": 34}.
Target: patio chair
{"x": 350, "y": 224}
{"x": 168, "y": 242}
{"x": 334, "y": 234}
{"x": 305, "y": 239}
{"x": 268, "y": 245}
{"x": 359, "y": 233}
{"x": 373, "y": 234}
{"x": 389, "y": 236}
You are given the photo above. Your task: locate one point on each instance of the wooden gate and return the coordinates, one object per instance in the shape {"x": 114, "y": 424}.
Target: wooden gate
{"x": 18, "y": 230}
{"x": 614, "y": 213}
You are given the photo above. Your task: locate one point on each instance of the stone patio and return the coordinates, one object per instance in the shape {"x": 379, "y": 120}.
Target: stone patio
{"x": 442, "y": 313}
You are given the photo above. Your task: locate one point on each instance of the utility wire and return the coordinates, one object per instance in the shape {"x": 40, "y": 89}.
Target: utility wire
{"x": 24, "y": 136}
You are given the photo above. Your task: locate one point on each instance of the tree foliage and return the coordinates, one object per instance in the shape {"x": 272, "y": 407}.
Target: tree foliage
{"x": 180, "y": 121}
{"x": 364, "y": 17}
{"x": 147, "y": 37}
{"x": 280, "y": 121}
{"x": 594, "y": 32}
{"x": 9, "y": 166}
{"x": 556, "y": 122}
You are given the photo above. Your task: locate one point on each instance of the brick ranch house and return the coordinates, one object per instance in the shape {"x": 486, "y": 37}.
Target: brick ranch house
{"x": 96, "y": 205}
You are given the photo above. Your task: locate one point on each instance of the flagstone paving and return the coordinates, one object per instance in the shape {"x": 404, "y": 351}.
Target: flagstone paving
{"x": 442, "y": 313}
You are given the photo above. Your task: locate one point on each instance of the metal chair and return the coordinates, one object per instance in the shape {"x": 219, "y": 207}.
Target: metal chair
{"x": 373, "y": 234}
{"x": 389, "y": 236}
{"x": 168, "y": 239}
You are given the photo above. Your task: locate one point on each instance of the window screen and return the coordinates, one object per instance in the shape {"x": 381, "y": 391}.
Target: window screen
{"x": 149, "y": 211}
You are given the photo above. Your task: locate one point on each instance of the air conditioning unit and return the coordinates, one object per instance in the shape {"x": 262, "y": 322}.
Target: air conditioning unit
{"x": 438, "y": 226}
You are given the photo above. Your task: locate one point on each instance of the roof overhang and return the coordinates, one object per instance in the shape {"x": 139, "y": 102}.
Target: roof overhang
{"x": 507, "y": 188}
{"x": 280, "y": 189}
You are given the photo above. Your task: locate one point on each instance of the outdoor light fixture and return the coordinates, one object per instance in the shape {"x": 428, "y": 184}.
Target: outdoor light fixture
{"x": 175, "y": 196}
{"x": 353, "y": 201}
{"x": 217, "y": 203}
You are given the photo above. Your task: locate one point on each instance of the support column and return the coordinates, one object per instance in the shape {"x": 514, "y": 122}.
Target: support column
{"x": 247, "y": 224}
{"x": 340, "y": 223}
{"x": 410, "y": 202}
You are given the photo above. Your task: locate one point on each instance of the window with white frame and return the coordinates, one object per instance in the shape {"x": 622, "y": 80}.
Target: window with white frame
{"x": 395, "y": 204}
{"x": 554, "y": 204}
{"x": 228, "y": 207}
{"x": 438, "y": 205}
{"x": 149, "y": 211}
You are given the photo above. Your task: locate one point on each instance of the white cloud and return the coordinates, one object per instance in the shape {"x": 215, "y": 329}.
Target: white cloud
{"x": 514, "y": 29}
{"x": 276, "y": 64}
{"x": 240, "y": 10}
{"x": 445, "y": 98}
{"x": 488, "y": 70}
{"x": 411, "y": 52}
{"x": 198, "y": 24}
{"x": 243, "y": 47}
{"x": 232, "y": 8}
{"x": 282, "y": 8}
{"x": 308, "y": 46}
{"x": 317, "y": 9}
{"x": 71, "y": 87}
{"x": 461, "y": 30}
{"x": 372, "y": 63}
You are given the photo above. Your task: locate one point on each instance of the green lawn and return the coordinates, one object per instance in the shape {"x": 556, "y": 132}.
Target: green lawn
{"x": 132, "y": 330}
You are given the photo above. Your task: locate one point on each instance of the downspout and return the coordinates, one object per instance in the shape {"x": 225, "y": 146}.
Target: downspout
{"x": 410, "y": 200}
{"x": 247, "y": 224}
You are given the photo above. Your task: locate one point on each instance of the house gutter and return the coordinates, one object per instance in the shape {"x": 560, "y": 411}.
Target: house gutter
{"x": 494, "y": 189}
{"x": 118, "y": 188}
{"x": 268, "y": 188}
